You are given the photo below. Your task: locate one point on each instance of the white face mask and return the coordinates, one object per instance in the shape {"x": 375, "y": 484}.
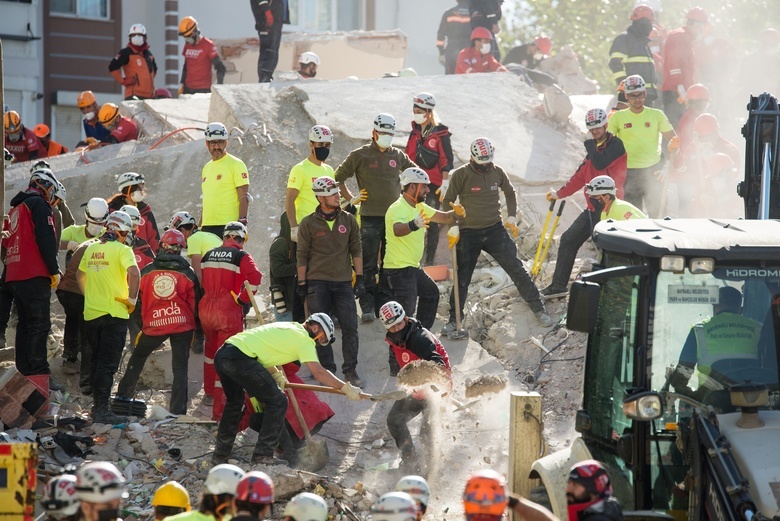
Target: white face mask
{"x": 485, "y": 48}
{"x": 190, "y": 40}
{"x": 137, "y": 196}
{"x": 137, "y": 40}
{"x": 538, "y": 56}
{"x": 419, "y": 118}
{"x": 89, "y": 116}
{"x": 94, "y": 229}
{"x": 655, "y": 49}
{"x": 384, "y": 140}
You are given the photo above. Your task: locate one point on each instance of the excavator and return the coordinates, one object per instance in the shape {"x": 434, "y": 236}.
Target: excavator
{"x": 681, "y": 392}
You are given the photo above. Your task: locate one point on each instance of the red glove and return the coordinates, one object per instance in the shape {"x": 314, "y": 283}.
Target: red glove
{"x": 269, "y": 19}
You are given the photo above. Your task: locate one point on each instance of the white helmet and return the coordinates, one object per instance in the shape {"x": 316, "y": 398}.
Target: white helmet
{"x": 324, "y": 186}
{"x": 595, "y": 118}
{"x": 59, "y": 497}
{"x": 414, "y": 175}
{"x": 137, "y": 29}
{"x": 180, "y": 219}
{"x": 324, "y": 321}
{"x": 41, "y": 163}
{"x": 133, "y": 212}
{"x": 394, "y": 506}
{"x": 234, "y": 229}
{"x": 424, "y": 100}
{"x": 216, "y": 132}
{"x": 482, "y": 150}
{"x": 99, "y": 481}
{"x": 44, "y": 176}
{"x": 309, "y": 57}
{"x": 320, "y": 134}
{"x": 119, "y": 221}
{"x": 391, "y": 314}
{"x": 600, "y": 185}
{"x": 96, "y": 210}
{"x": 129, "y": 179}
{"x": 634, "y": 83}
{"x": 384, "y": 123}
{"x": 60, "y": 192}
{"x": 306, "y": 507}
{"x": 223, "y": 479}
{"x": 415, "y": 486}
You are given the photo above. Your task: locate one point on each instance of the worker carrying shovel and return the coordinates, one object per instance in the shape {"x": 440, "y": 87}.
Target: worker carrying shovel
{"x": 245, "y": 363}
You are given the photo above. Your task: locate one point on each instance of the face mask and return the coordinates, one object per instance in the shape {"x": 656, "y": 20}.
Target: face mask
{"x": 94, "y": 229}
{"x": 137, "y": 40}
{"x": 89, "y": 116}
{"x": 485, "y": 48}
{"x": 384, "y": 140}
{"x": 321, "y": 153}
{"x": 137, "y": 196}
{"x": 538, "y": 56}
{"x": 597, "y": 203}
{"x": 655, "y": 49}
{"x": 190, "y": 40}
{"x": 482, "y": 167}
{"x": 643, "y": 27}
{"x": 14, "y": 137}
{"x": 419, "y": 118}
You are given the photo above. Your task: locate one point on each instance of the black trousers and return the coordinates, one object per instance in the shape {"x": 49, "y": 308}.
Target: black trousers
{"x": 75, "y": 337}
{"x": 33, "y": 305}
{"x": 106, "y": 335}
{"x": 402, "y": 412}
{"x": 571, "y": 241}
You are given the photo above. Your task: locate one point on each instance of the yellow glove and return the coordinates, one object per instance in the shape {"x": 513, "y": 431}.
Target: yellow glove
{"x": 422, "y": 221}
{"x": 280, "y": 379}
{"x": 235, "y": 297}
{"x": 55, "y": 280}
{"x": 362, "y": 196}
{"x": 442, "y": 190}
{"x": 511, "y": 226}
{"x": 453, "y": 236}
{"x": 458, "y": 209}
{"x": 352, "y": 392}
{"x": 128, "y": 302}
{"x": 674, "y": 144}
{"x": 551, "y": 196}
{"x": 682, "y": 95}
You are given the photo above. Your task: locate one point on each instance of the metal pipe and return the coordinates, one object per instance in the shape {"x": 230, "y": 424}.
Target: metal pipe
{"x": 766, "y": 179}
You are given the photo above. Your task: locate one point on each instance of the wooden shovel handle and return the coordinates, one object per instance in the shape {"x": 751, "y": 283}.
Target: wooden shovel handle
{"x": 321, "y": 389}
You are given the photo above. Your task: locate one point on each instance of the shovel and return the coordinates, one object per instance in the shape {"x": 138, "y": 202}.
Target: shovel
{"x": 248, "y": 289}
{"x": 459, "y": 332}
{"x": 394, "y": 395}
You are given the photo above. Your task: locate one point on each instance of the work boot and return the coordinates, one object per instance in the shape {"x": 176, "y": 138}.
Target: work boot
{"x": 54, "y": 385}
{"x": 449, "y": 327}
{"x": 269, "y": 460}
{"x": 71, "y": 366}
{"x": 354, "y": 379}
{"x": 367, "y": 316}
{"x": 218, "y": 460}
{"x": 86, "y": 389}
{"x": 543, "y": 318}
{"x": 553, "y": 291}
{"x": 105, "y": 415}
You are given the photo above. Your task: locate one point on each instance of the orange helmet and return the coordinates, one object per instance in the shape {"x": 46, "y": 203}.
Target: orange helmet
{"x": 697, "y": 91}
{"x": 696, "y": 14}
{"x": 187, "y": 26}
{"x": 643, "y": 11}
{"x": 12, "y": 122}
{"x": 41, "y": 130}
{"x": 485, "y": 494}
{"x": 481, "y": 33}
{"x": 108, "y": 114}
{"x": 86, "y": 99}
{"x": 706, "y": 125}
{"x": 718, "y": 162}
{"x": 543, "y": 43}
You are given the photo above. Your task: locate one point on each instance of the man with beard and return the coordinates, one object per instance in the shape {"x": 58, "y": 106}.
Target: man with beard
{"x": 631, "y": 54}
{"x": 589, "y": 494}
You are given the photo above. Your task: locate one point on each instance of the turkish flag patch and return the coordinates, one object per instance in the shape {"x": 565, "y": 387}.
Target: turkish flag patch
{"x": 647, "y": 124}
{"x": 627, "y": 125}
{"x": 245, "y": 175}
{"x": 627, "y": 216}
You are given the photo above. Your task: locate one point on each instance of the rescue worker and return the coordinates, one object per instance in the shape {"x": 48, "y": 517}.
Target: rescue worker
{"x": 94, "y": 131}
{"x": 602, "y": 195}
{"x": 169, "y": 499}
{"x": 453, "y": 34}
{"x": 254, "y": 497}
{"x": 131, "y": 188}
{"x": 141, "y": 249}
{"x": 59, "y": 499}
{"x": 640, "y": 128}
{"x": 299, "y": 200}
{"x": 109, "y": 277}
{"x": 283, "y": 265}
{"x": 630, "y": 53}
{"x": 243, "y": 364}
{"x": 409, "y": 340}
{"x": 120, "y": 128}
{"x": 134, "y": 66}
{"x": 605, "y": 155}
{"x": 29, "y": 247}
{"x": 307, "y": 64}
{"x": 101, "y": 488}
{"x": 530, "y": 55}
{"x": 225, "y": 301}
{"x": 216, "y": 498}
{"x": 306, "y": 506}
{"x": 168, "y": 295}
{"x": 269, "y": 17}
{"x": 485, "y": 498}
{"x": 74, "y": 338}
{"x": 429, "y": 145}
{"x": 417, "y": 487}
{"x": 53, "y": 148}
{"x": 20, "y": 141}
{"x": 476, "y": 186}
{"x": 405, "y": 223}
{"x": 589, "y": 494}
{"x": 696, "y": 103}
{"x": 198, "y": 241}
{"x": 487, "y": 14}
{"x": 225, "y": 184}
{"x": 680, "y": 63}
{"x": 328, "y": 248}
{"x": 200, "y": 54}
{"x": 477, "y": 57}
{"x": 394, "y": 506}
{"x": 377, "y": 167}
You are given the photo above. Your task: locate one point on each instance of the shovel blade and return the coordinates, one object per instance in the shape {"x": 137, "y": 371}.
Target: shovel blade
{"x": 394, "y": 395}
{"x": 314, "y": 456}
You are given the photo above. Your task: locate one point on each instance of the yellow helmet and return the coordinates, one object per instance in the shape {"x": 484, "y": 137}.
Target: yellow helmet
{"x": 172, "y": 494}
{"x": 86, "y": 99}
{"x": 108, "y": 113}
{"x": 12, "y": 122}
{"x": 187, "y": 26}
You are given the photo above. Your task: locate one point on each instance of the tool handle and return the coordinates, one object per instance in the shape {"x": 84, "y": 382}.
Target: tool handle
{"x": 321, "y": 389}
{"x": 560, "y": 208}
{"x": 248, "y": 289}
{"x": 552, "y": 204}
{"x": 294, "y": 402}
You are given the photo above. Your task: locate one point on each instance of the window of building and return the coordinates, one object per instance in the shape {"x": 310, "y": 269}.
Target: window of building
{"x": 18, "y": 1}
{"x": 80, "y": 8}
{"x": 326, "y": 15}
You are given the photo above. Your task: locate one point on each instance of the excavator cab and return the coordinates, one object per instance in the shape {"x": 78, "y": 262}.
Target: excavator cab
{"x": 761, "y": 187}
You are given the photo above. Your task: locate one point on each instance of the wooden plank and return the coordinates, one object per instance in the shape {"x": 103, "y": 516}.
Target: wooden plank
{"x": 526, "y": 443}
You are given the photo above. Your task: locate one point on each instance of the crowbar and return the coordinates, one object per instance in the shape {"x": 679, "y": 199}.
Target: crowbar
{"x": 537, "y": 268}
{"x": 543, "y": 235}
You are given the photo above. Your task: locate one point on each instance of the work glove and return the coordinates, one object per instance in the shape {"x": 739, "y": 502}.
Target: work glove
{"x": 129, "y": 81}
{"x": 511, "y": 226}
{"x": 458, "y": 209}
{"x": 269, "y": 18}
{"x": 55, "y": 280}
{"x": 420, "y": 221}
{"x": 303, "y": 289}
{"x": 360, "y": 286}
{"x": 442, "y": 59}
{"x": 352, "y": 392}
{"x": 453, "y": 236}
{"x": 682, "y": 95}
{"x": 280, "y": 379}
{"x": 442, "y": 190}
{"x": 674, "y": 144}
{"x": 238, "y": 300}
{"x": 362, "y": 196}
{"x": 294, "y": 234}
{"x": 181, "y": 89}
{"x": 128, "y": 302}
{"x": 551, "y": 196}
{"x": 90, "y": 141}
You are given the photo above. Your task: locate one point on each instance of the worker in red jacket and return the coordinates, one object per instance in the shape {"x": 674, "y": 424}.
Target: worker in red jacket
{"x": 132, "y": 190}
{"x": 20, "y": 141}
{"x": 120, "y": 128}
{"x": 478, "y": 57}
{"x": 225, "y": 302}
{"x": 168, "y": 297}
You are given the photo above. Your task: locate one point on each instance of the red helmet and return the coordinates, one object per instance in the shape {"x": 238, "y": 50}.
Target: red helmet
{"x": 591, "y": 475}
{"x": 255, "y": 487}
{"x": 481, "y": 33}
{"x": 162, "y": 93}
{"x": 706, "y": 125}
{"x": 643, "y": 11}
{"x": 697, "y": 91}
{"x": 697, "y": 14}
{"x": 172, "y": 241}
{"x": 485, "y": 494}
{"x": 543, "y": 43}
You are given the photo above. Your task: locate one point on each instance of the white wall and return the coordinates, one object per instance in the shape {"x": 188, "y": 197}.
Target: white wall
{"x": 23, "y": 61}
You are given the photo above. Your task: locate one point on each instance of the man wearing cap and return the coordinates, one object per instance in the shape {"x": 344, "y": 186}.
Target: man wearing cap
{"x": 100, "y": 487}
{"x": 530, "y": 55}
{"x": 307, "y": 64}
{"x": 94, "y": 131}
{"x": 453, "y": 34}
{"x": 377, "y": 167}
{"x": 328, "y": 248}
{"x": 589, "y": 494}
{"x": 631, "y": 54}
{"x": 477, "y": 57}
{"x": 52, "y": 147}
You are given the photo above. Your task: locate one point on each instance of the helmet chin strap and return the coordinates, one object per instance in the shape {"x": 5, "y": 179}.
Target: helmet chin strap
{"x": 413, "y": 199}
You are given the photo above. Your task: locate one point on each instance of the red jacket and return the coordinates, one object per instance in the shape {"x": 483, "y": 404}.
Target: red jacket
{"x": 432, "y": 153}
{"x": 31, "y": 250}
{"x": 143, "y": 253}
{"x": 29, "y": 144}
{"x": 418, "y": 344}
{"x": 147, "y": 228}
{"x": 168, "y": 296}
{"x": 609, "y": 158}
{"x": 225, "y": 269}
{"x": 124, "y": 131}
{"x": 678, "y": 60}
{"x": 471, "y": 60}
